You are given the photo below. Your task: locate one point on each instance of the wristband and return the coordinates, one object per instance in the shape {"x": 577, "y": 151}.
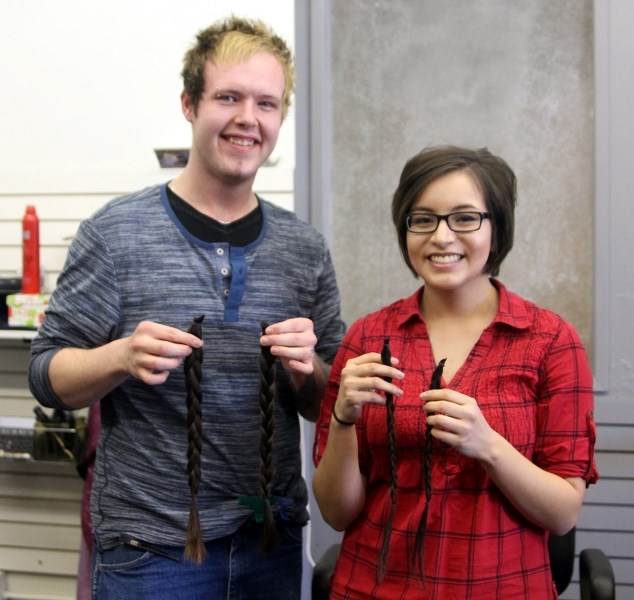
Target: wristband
{"x": 341, "y": 421}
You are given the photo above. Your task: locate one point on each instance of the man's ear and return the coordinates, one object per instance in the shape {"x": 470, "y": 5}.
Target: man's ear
{"x": 187, "y": 106}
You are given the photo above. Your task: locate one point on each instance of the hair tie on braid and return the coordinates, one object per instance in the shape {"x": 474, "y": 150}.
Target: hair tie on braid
{"x": 386, "y": 359}
{"x": 269, "y": 539}
{"x": 422, "y": 526}
{"x": 194, "y": 547}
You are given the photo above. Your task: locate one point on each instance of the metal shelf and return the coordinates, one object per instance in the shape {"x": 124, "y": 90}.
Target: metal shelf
{"x": 25, "y": 335}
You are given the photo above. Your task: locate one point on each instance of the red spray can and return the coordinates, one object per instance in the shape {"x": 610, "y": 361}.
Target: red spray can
{"x": 30, "y": 251}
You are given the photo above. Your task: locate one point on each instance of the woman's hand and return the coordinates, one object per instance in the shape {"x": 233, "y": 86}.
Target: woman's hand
{"x": 457, "y": 421}
{"x": 361, "y": 381}
{"x": 545, "y": 499}
{"x": 338, "y": 483}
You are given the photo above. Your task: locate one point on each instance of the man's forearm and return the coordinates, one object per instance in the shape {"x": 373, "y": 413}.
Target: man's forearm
{"x": 81, "y": 377}
{"x": 309, "y": 389}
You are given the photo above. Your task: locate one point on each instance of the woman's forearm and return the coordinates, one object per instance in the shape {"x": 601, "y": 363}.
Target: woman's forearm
{"x": 338, "y": 484}
{"x": 545, "y": 499}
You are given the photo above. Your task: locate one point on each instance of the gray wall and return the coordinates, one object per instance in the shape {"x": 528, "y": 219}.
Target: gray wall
{"x": 388, "y": 78}
{"x": 515, "y": 77}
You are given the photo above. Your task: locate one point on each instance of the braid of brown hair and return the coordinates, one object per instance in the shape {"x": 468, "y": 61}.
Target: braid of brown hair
{"x": 386, "y": 359}
{"x": 194, "y": 547}
{"x": 422, "y": 526}
{"x": 269, "y": 539}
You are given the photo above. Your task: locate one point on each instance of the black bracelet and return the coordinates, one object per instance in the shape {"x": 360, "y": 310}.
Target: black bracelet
{"x": 341, "y": 421}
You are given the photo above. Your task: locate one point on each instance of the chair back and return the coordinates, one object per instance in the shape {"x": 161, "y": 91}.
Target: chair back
{"x": 561, "y": 549}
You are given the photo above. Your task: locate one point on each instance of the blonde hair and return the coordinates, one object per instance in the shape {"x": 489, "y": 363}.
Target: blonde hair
{"x": 231, "y": 41}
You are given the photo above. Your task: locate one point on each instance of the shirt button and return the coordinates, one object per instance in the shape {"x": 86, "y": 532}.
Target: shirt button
{"x": 224, "y": 271}
{"x": 220, "y": 251}
{"x": 226, "y": 292}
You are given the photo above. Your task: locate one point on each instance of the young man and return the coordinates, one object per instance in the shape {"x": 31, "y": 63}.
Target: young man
{"x": 137, "y": 273}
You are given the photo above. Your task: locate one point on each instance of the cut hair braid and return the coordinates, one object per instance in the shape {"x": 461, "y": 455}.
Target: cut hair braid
{"x": 194, "y": 547}
{"x": 422, "y": 526}
{"x": 269, "y": 539}
{"x": 386, "y": 359}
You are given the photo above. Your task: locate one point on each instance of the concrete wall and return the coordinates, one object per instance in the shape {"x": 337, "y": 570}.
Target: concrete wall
{"x": 515, "y": 77}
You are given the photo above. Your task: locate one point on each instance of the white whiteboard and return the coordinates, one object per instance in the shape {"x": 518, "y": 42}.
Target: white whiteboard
{"x": 91, "y": 88}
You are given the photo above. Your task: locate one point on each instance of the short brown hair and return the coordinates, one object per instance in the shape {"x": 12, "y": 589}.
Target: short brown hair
{"x": 494, "y": 177}
{"x": 233, "y": 40}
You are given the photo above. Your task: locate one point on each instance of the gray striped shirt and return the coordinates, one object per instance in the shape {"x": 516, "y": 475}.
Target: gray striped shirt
{"x": 133, "y": 261}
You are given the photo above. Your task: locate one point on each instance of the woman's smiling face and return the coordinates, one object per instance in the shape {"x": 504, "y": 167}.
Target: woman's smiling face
{"x": 445, "y": 259}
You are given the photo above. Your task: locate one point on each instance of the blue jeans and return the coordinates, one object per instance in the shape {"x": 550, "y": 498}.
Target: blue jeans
{"x": 234, "y": 569}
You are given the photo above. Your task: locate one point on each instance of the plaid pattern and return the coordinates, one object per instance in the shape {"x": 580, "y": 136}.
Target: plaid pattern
{"x": 530, "y": 375}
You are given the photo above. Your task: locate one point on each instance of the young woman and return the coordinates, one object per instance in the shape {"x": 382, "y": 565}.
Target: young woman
{"x": 452, "y": 492}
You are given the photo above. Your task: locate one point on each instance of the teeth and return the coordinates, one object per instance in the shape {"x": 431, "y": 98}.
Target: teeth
{"x": 445, "y": 259}
{"x": 241, "y": 141}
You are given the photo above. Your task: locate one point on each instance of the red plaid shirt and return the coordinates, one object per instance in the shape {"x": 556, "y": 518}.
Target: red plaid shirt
{"x": 530, "y": 375}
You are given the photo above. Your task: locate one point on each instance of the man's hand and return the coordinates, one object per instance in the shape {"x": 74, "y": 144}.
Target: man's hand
{"x": 293, "y": 342}
{"x": 153, "y": 350}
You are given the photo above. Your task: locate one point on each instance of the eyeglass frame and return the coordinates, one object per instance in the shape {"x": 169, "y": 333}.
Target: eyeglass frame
{"x": 445, "y": 218}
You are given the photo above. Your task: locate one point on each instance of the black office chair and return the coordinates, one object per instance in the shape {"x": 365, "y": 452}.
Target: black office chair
{"x": 595, "y": 570}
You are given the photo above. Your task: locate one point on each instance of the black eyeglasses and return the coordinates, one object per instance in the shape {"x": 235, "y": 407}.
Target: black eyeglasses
{"x": 460, "y": 222}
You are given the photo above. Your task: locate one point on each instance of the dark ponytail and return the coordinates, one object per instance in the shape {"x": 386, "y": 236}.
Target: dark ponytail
{"x": 386, "y": 359}
{"x": 194, "y": 547}
{"x": 269, "y": 539}
{"x": 419, "y": 541}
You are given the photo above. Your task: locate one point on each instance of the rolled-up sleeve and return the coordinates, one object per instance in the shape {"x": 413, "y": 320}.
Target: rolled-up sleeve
{"x": 565, "y": 413}
{"x": 83, "y": 311}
